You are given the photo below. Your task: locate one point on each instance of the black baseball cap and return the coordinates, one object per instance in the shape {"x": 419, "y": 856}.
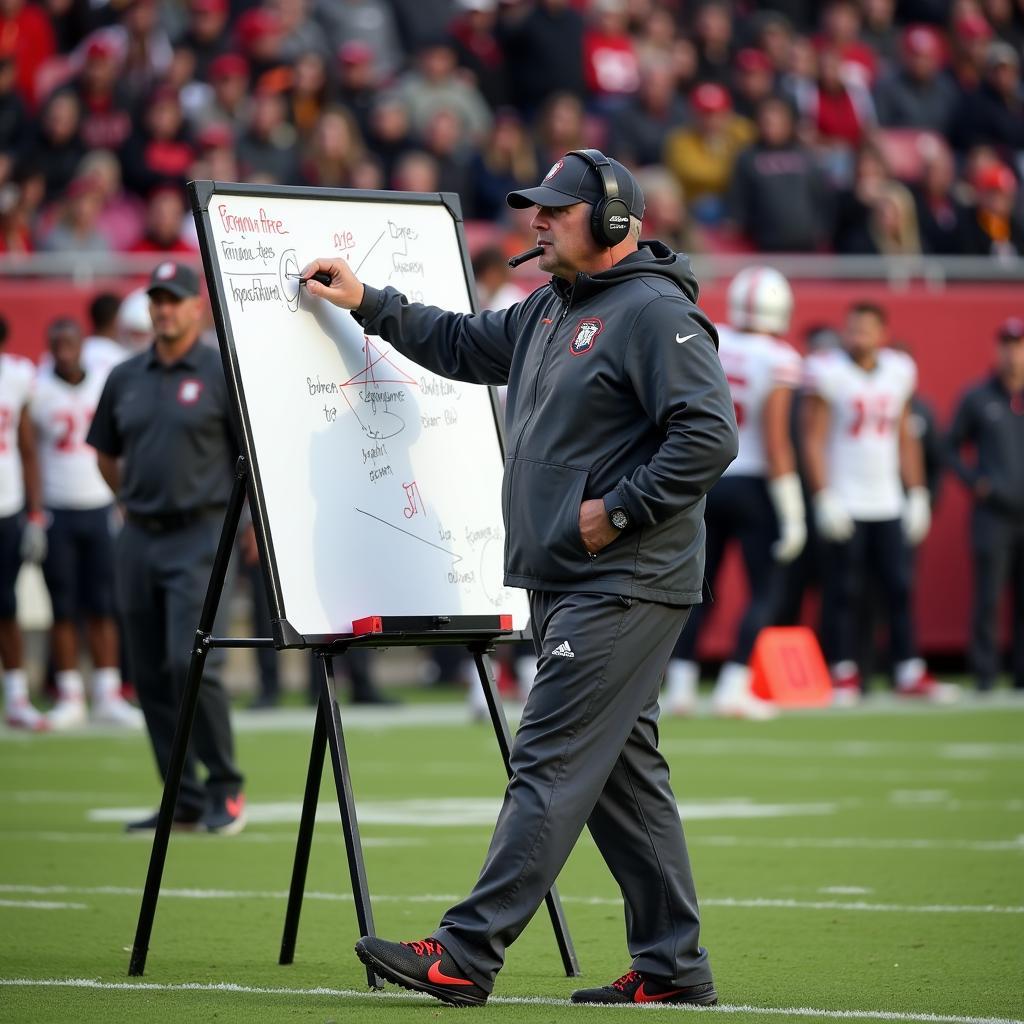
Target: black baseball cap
{"x": 572, "y": 180}
{"x": 1011, "y": 329}
{"x": 176, "y": 278}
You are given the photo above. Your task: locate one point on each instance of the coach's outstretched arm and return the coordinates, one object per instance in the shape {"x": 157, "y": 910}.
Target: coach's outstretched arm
{"x": 476, "y": 348}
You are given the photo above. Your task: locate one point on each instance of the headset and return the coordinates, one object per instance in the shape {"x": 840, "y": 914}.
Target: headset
{"x": 609, "y": 219}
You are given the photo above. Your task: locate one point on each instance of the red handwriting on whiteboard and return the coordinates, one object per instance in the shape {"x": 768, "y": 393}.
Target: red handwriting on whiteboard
{"x": 264, "y": 224}
{"x": 412, "y": 494}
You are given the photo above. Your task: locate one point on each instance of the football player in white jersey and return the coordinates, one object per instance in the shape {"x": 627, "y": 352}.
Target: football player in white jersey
{"x": 79, "y": 564}
{"x": 758, "y": 501}
{"x": 22, "y": 529}
{"x": 860, "y": 454}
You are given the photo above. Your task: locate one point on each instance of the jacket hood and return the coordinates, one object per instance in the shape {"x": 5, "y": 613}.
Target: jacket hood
{"x": 651, "y": 259}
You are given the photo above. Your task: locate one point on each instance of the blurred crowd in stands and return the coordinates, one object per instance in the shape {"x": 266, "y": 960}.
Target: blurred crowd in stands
{"x": 870, "y": 127}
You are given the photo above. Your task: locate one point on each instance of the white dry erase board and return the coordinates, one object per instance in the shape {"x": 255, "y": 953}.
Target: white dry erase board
{"x": 375, "y": 484}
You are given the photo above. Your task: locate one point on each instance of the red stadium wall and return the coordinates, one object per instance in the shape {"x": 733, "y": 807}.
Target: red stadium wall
{"x": 949, "y": 331}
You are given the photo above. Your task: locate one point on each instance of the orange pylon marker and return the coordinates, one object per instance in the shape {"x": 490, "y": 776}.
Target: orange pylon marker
{"x": 787, "y": 668}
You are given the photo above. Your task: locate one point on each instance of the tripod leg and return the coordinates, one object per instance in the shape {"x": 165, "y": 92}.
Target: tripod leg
{"x": 305, "y": 836}
{"x": 346, "y": 804}
{"x": 504, "y": 737}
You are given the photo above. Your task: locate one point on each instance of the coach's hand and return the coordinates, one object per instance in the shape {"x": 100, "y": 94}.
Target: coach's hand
{"x": 345, "y": 289}
{"x": 596, "y": 531}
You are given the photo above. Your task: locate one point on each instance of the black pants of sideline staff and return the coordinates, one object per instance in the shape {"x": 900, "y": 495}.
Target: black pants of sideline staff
{"x": 162, "y": 576}
{"x": 997, "y": 542}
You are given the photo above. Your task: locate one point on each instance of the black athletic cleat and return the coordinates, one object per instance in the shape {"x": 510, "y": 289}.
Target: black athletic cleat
{"x": 424, "y": 966}
{"x": 635, "y": 987}
{"x": 225, "y": 815}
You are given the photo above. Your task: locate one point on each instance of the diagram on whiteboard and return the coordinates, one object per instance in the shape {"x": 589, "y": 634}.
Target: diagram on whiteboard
{"x": 381, "y": 479}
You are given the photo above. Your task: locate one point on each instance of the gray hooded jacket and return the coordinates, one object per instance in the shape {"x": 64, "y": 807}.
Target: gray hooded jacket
{"x": 615, "y": 392}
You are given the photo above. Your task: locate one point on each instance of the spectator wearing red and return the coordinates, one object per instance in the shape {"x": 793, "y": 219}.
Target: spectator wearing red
{"x": 229, "y": 83}
{"x": 473, "y": 35}
{"x": 25, "y": 32}
{"x": 165, "y": 217}
{"x": 970, "y": 35}
{"x": 779, "y": 199}
{"x": 702, "y": 155}
{"x": 260, "y": 33}
{"x": 753, "y": 81}
{"x": 839, "y": 109}
{"x": 160, "y": 150}
{"x": 994, "y": 227}
{"x": 918, "y": 94}
{"x": 106, "y": 117}
{"x": 121, "y": 213}
{"x": 610, "y": 69}
{"x": 840, "y": 31}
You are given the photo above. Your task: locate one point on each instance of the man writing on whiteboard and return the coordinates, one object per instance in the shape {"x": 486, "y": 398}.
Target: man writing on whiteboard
{"x": 619, "y": 420}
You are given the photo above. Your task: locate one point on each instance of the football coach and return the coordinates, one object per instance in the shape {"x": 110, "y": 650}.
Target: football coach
{"x": 618, "y": 421}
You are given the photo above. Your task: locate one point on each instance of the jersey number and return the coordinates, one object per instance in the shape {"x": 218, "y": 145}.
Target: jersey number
{"x": 71, "y": 431}
{"x": 871, "y": 414}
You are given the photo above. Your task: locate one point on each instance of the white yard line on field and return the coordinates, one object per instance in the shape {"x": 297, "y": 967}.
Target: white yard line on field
{"x": 754, "y": 903}
{"x": 41, "y": 905}
{"x": 347, "y": 993}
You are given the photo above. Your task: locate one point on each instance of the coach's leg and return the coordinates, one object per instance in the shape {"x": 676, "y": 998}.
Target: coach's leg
{"x": 637, "y": 829}
{"x": 187, "y": 568}
{"x": 601, "y": 665}
{"x": 141, "y": 596}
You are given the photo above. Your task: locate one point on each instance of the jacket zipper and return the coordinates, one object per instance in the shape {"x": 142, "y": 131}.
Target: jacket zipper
{"x": 536, "y": 379}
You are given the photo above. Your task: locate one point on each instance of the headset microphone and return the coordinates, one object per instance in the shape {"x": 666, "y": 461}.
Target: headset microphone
{"x": 530, "y": 254}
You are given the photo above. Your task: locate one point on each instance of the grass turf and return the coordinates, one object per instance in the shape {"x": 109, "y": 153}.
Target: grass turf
{"x": 846, "y": 862}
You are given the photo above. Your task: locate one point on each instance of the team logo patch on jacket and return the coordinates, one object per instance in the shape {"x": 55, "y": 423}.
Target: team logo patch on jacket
{"x": 583, "y": 337}
{"x": 189, "y": 391}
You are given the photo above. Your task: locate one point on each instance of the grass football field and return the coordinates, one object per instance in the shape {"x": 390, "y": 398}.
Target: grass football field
{"x": 866, "y": 864}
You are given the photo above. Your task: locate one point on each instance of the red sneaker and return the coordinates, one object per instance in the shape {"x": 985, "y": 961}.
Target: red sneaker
{"x": 424, "y": 966}
{"x": 634, "y": 987}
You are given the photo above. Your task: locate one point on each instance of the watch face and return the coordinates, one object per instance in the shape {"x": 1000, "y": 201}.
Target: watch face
{"x": 619, "y": 519}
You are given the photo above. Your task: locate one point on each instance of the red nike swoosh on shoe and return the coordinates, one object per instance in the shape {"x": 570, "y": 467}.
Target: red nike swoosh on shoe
{"x": 641, "y": 996}
{"x": 438, "y": 977}
{"x": 235, "y": 805}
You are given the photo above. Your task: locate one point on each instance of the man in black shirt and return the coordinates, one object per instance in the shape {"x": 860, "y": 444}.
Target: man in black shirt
{"x": 990, "y": 418}
{"x": 166, "y": 448}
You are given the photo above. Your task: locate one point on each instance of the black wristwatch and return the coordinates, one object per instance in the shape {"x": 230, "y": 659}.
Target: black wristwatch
{"x": 619, "y": 518}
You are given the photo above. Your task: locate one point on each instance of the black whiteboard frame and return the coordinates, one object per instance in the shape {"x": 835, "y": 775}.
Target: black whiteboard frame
{"x": 201, "y": 193}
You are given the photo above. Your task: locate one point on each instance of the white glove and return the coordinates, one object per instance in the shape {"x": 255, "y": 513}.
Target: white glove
{"x": 788, "y": 500}
{"x": 833, "y": 521}
{"x": 33, "y": 542}
{"x": 917, "y": 515}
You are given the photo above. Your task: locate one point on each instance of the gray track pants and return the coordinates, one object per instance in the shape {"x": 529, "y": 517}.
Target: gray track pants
{"x": 586, "y": 754}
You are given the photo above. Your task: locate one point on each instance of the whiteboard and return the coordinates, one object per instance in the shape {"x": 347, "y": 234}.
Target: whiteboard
{"x": 375, "y": 483}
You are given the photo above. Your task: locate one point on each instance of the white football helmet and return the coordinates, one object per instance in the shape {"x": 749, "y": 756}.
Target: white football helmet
{"x": 134, "y": 324}
{"x": 760, "y": 299}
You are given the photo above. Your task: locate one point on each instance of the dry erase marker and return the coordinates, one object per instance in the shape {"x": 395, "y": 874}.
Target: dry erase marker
{"x": 321, "y": 275}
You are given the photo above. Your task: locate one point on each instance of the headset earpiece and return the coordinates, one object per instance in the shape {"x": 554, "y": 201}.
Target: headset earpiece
{"x": 609, "y": 219}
